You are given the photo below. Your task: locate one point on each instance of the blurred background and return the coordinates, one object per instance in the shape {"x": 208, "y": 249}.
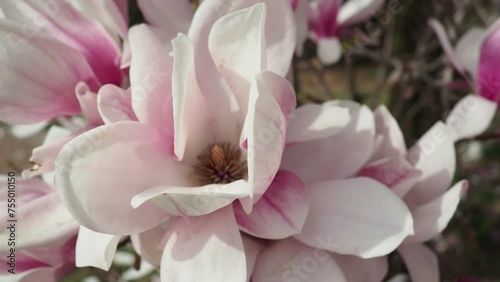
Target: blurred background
{"x": 401, "y": 65}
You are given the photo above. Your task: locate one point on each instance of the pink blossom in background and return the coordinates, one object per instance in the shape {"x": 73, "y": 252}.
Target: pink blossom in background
{"x": 45, "y": 233}
{"x": 327, "y": 19}
{"x": 53, "y": 48}
{"x": 475, "y": 56}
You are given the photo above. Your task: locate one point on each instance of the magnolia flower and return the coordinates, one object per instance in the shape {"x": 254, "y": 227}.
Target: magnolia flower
{"x": 356, "y": 218}
{"x": 327, "y": 19}
{"x": 475, "y": 56}
{"x": 421, "y": 177}
{"x": 45, "y": 232}
{"x": 50, "y": 51}
{"x": 205, "y": 126}
{"x": 40, "y": 264}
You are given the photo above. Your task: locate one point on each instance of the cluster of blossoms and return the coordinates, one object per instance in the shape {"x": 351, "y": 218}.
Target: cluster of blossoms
{"x": 182, "y": 136}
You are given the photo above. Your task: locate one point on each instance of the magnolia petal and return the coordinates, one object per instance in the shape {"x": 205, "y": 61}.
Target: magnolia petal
{"x": 27, "y": 190}
{"x": 43, "y": 157}
{"x": 394, "y": 172}
{"x": 252, "y": 247}
{"x": 392, "y": 139}
{"x": 44, "y": 273}
{"x": 488, "y": 76}
{"x": 290, "y": 260}
{"x": 431, "y": 218}
{"x": 38, "y": 98}
{"x": 265, "y": 127}
{"x": 471, "y": 116}
{"x": 336, "y": 157}
{"x": 132, "y": 159}
{"x": 468, "y": 50}
{"x": 193, "y": 201}
{"x": 88, "y": 104}
{"x": 434, "y": 155}
{"x": 280, "y": 213}
{"x": 311, "y": 122}
{"x": 45, "y": 223}
{"x": 149, "y": 245}
{"x": 337, "y": 223}
{"x": 191, "y": 118}
{"x": 422, "y": 263}
{"x": 204, "y": 248}
{"x": 172, "y": 16}
{"x": 114, "y": 104}
{"x": 95, "y": 249}
{"x": 446, "y": 44}
{"x": 151, "y": 82}
{"x": 21, "y": 131}
{"x": 357, "y": 11}
{"x": 356, "y": 269}
{"x": 237, "y": 46}
{"x": 63, "y": 22}
{"x": 329, "y": 50}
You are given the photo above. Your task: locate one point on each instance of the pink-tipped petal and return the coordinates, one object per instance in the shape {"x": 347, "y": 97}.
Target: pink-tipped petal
{"x": 45, "y": 223}
{"x": 265, "y": 129}
{"x": 237, "y": 46}
{"x": 431, "y": 218}
{"x": 356, "y": 269}
{"x": 204, "y": 248}
{"x": 488, "y": 76}
{"x": 39, "y": 98}
{"x": 95, "y": 249}
{"x": 88, "y": 104}
{"x": 115, "y": 104}
{"x": 290, "y": 260}
{"x": 422, "y": 263}
{"x": 280, "y": 213}
{"x": 339, "y": 156}
{"x": 471, "y": 116}
{"x": 395, "y": 172}
{"x": 192, "y": 132}
{"x": 391, "y": 137}
{"x": 63, "y": 22}
{"x": 357, "y": 11}
{"x": 434, "y": 155}
{"x": 357, "y": 216}
{"x": 115, "y": 162}
{"x": 43, "y": 156}
{"x": 151, "y": 82}
{"x": 311, "y": 122}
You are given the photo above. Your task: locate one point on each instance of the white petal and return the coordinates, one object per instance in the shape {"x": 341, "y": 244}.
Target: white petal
{"x": 95, "y": 249}
{"x": 329, "y": 50}
{"x": 422, "y": 263}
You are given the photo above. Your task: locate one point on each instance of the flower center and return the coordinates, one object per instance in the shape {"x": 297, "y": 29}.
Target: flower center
{"x": 220, "y": 164}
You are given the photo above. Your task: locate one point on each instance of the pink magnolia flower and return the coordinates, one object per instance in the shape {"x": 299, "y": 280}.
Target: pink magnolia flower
{"x": 40, "y": 264}
{"x": 205, "y": 126}
{"x": 45, "y": 231}
{"x": 421, "y": 177}
{"x": 355, "y": 218}
{"x": 475, "y": 56}
{"x": 327, "y": 19}
{"x": 50, "y": 50}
